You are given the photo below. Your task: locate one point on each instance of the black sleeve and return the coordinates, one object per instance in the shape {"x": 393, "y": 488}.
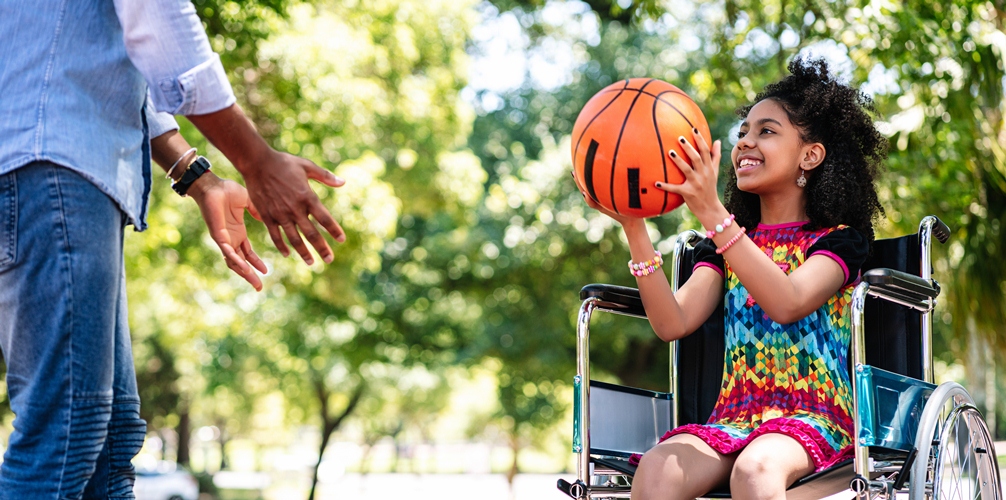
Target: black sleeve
{"x": 705, "y": 255}
{"x": 846, "y": 246}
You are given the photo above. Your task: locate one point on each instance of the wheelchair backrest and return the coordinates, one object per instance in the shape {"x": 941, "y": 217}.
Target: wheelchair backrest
{"x": 893, "y": 334}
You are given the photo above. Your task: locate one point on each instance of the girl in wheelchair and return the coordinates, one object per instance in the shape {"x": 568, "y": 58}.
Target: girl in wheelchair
{"x": 785, "y": 249}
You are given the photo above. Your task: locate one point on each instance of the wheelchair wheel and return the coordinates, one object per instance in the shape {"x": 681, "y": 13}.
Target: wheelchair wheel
{"x": 956, "y": 456}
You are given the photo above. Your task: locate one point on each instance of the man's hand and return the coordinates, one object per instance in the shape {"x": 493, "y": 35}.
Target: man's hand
{"x": 279, "y": 188}
{"x": 223, "y": 203}
{"x": 277, "y": 183}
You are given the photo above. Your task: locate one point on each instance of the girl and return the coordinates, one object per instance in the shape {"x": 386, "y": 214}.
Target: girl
{"x": 786, "y": 249}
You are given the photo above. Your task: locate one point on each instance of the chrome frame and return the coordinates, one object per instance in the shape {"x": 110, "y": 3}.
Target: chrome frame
{"x": 587, "y": 308}
{"x": 857, "y": 349}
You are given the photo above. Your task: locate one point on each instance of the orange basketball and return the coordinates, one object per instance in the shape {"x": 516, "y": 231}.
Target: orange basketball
{"x": 621, "y": 140}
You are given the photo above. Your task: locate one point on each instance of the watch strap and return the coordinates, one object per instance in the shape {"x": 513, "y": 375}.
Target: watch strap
{"x": 196, "y": 170}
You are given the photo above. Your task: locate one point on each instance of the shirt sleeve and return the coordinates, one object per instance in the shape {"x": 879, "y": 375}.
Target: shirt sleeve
{"x": 705, "y": 256}
{"x": 158, "y": 123}
{"x": 166, "y": 41}
{"x": 846, "y": 246}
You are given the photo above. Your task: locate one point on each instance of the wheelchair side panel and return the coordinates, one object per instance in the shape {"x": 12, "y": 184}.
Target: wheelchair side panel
{"x": 890, "y": 407}
{"x": 624, "y": 420}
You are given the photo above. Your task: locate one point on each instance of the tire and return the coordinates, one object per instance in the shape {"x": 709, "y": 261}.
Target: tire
{"x": 956, "y": 458}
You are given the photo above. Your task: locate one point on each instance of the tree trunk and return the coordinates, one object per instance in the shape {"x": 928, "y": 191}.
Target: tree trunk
{"x": 184, "y": 435}
{"x": 328, "y": 424}
{"x": 223, "y": 440}
{"x": 515, "y": 447}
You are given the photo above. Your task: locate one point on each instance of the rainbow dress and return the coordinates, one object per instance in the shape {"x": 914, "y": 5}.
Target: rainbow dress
{"x": 790, "y": 379}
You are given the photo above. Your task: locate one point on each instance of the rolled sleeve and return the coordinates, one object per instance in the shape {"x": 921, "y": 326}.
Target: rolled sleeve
{"x": 158, "y": 123}
{"x": 200, "y": 90}
{"x": 166, "y": 42}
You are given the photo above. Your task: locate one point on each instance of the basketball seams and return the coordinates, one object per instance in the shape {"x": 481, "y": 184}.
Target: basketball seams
{"x": 679, "y": 92}
{"x": 591, "y": 122}
{"x": 660, "y": 144}
{"x": 614, "y": 156}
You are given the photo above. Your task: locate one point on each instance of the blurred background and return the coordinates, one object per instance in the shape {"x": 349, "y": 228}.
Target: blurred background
{"x": 435, "y": 355}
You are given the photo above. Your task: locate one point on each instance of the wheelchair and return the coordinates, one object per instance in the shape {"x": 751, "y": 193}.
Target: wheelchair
{"x": 911, "y": 436}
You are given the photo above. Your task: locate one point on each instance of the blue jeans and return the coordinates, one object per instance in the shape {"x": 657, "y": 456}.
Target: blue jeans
{"x": 65, "y": 339}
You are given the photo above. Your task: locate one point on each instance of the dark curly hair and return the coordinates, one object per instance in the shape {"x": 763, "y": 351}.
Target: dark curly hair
{"x": 840, "y": 190}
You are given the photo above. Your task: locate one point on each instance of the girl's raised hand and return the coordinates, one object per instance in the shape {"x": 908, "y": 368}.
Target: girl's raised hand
{"x": 699, "y": 187}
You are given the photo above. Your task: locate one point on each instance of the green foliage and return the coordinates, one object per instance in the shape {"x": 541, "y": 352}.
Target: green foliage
{"x": 468, "y": 242}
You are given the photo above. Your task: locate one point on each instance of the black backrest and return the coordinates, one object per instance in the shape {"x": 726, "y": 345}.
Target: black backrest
{"x": 894, "y": 332}
{"x": 893, "y": 335}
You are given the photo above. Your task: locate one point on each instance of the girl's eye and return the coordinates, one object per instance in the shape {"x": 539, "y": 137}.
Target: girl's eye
{"x": 741, "y": 134}
{"x": 767, "y": 131}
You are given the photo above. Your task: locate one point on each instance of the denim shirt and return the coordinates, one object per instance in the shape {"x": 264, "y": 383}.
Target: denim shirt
{"x": 74, "y": 78}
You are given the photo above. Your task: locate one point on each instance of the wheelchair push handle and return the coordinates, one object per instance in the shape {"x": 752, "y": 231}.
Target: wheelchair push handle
{"x": 614, "y": 298}
{"x": 940, "y": 230}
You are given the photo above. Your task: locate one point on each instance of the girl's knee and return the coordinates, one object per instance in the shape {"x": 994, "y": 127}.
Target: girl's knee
{"x": 656, "y": 470}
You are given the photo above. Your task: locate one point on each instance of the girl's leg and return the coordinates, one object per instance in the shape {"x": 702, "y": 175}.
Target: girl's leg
{"x": 767, "y": 466}
{"x": 681, "y": 468}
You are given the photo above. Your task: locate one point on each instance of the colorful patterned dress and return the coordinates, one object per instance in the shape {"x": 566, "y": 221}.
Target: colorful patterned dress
{"x": 790, "y": 379}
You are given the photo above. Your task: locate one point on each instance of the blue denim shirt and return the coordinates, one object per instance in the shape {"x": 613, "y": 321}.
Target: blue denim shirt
{"x": 71, "y": 91}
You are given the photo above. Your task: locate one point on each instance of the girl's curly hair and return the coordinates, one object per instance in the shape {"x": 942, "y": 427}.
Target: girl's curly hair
{"x": 840, "y": 190}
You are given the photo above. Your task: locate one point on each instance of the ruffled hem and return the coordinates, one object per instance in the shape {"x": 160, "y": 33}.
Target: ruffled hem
{"x": 822, "y": 454}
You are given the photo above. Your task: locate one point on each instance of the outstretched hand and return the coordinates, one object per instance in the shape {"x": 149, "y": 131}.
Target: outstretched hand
{"x": 277, "y": 183}
{"x": 699, "y": 186}
{"x": 279, "y": 189}
{"x": 222, "y": 204}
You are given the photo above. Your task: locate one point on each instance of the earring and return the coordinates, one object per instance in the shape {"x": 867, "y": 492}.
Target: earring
{"x": 801, "y": 181}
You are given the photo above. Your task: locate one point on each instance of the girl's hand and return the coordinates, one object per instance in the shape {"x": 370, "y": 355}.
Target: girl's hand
{"x": 699, "y": 187}
{"x": 619, "y": 218}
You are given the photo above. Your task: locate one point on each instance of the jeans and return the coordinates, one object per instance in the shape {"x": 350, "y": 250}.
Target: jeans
{"x": 65, "y": 338}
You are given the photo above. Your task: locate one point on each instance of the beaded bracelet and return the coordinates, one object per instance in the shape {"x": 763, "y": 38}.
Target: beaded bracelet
{"x": 726, "y": 246}
{"x": 727, "y": 222}
{"x": 640, "y": 269}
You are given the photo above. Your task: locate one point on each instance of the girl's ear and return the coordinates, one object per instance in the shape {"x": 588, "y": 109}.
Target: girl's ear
{"x": 813, "y": 155}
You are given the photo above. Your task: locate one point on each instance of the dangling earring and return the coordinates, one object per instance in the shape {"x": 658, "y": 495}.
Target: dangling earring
{"x": 801, "y": 181}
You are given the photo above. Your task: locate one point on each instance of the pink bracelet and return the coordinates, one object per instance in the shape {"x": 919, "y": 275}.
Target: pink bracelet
{"x": 726, "y": 246}
{"x": 640, "y": 269}
{"x": 727, "y": 222}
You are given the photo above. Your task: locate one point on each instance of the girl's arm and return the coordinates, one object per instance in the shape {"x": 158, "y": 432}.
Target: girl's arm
{"x": 784, "y": 297}
{"x": 672, "y": 315}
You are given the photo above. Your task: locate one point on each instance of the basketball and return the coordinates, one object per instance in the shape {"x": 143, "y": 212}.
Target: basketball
{"x": 621, "y": 140}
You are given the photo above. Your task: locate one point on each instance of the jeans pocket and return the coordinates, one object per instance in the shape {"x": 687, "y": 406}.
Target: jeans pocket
{"x": 8, "y": 218}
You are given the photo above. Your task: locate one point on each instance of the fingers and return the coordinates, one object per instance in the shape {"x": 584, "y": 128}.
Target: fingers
{"x": 670, "y": 188}
{"x": 254, "y": 211}
{"x": 703, "y": 146}
{"x": 277, "y": 238}
{"x": 690, "y": 153}
{"x": 324, "y": 217}
{"x": 686, "y": 169}
{"x": 237, "y": 263}
{"x": 323, "y": 176}
{"x": 253, "y": 257}
{"x": 292, "y": 234}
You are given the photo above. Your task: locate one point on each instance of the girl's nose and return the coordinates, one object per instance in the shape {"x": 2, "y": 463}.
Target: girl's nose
{"x": 745, "y": 142}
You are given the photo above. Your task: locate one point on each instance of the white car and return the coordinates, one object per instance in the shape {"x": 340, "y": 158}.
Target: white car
{"x": 165, "y": 481}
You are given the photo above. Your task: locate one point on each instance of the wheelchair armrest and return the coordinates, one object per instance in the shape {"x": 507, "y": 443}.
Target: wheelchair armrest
{"x": 613, "y": 298}
{"x": 902, "y": 285}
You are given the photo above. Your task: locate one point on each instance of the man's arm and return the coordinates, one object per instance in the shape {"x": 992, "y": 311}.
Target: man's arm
{"x": 166, "y": 42}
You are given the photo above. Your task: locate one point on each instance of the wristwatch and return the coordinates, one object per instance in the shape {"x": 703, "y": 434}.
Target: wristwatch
{"x": 198, "y": 167}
